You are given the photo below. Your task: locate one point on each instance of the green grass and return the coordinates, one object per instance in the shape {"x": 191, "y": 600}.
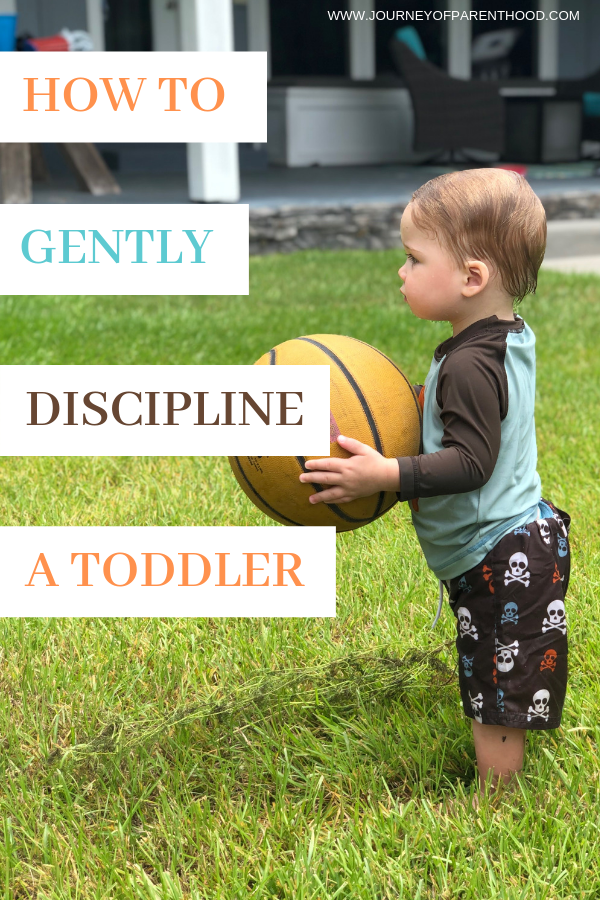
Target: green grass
{"x": 370, "y": 802}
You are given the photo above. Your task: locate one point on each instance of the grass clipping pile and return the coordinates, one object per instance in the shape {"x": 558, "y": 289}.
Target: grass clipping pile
{"x": 345, "y": 682}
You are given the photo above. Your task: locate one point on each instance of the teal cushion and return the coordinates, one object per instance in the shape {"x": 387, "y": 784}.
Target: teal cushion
{"x": 591, "y": 104}
{"x": 410, "y": 36}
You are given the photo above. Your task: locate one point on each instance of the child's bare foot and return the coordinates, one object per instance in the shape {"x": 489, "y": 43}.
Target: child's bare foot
{"x": 494, "y": 790}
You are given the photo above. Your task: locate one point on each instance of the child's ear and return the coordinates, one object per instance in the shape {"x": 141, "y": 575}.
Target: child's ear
{"x": 475, "y": 278}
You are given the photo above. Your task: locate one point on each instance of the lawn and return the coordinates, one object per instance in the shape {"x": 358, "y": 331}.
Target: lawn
{"x": 367, "y": 801}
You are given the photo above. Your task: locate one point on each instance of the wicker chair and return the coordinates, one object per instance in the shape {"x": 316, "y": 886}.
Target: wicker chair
{"x": 450, "y": 114}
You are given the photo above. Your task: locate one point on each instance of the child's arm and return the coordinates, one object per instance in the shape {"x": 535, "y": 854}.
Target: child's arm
{"x": 472, "y": 396}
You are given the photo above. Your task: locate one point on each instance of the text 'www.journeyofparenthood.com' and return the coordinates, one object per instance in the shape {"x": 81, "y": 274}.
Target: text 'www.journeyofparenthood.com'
{"x": 424, "y": 15}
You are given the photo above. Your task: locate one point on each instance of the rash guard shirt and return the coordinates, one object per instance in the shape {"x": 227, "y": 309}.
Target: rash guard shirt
{"x": 476, "y": 478}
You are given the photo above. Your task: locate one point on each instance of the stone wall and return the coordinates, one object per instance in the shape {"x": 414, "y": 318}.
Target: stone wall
{"x": 368, "y": 226}
{"x": 572, "y": 205}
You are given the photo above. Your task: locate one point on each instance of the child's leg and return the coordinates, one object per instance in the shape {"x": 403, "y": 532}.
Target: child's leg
{"x": 499, "y": 749}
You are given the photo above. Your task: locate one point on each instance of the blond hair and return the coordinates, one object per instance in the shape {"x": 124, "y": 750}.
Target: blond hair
{"x": 487, "y": 214}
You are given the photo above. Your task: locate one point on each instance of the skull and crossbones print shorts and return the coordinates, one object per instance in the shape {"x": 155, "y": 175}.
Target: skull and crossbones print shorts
{"x": 511, "y": 626}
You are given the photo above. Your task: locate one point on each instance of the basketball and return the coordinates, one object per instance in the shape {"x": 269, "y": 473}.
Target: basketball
{"x": 371, "y": 401}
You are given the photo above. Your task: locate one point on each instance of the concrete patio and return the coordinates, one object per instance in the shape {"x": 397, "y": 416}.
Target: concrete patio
{"x": 573, "y": 246}
{"x": 156, "y": 173}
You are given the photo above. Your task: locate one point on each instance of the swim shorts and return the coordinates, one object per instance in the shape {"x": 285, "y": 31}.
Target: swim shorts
{"x": 511, "y": 626}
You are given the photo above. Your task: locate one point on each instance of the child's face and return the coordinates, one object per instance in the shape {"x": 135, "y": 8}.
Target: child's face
{"x": 433, "y": 284}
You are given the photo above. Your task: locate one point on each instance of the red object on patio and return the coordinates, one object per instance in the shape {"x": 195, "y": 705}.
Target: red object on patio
{"x": 513, "y": 167}
{"x": 56, "y": 42}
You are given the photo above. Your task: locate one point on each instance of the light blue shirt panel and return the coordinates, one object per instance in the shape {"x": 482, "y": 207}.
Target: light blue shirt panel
{"x": 456, "y": 531}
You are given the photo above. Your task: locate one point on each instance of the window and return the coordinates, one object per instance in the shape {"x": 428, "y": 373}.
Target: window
{"x": 304, "y": 41}
{"x": 503, "y": 49}
{"x": 127, "y": 25}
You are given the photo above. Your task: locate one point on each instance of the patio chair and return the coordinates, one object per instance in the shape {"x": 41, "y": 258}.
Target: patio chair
{"x": 450, "y": 114}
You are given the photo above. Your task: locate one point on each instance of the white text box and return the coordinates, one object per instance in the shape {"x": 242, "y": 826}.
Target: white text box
{"x": 123, "y": 249}
{"x": 167, "y": 571}
{"x": 133, "y": 96}
{"x": 164, "y": 410}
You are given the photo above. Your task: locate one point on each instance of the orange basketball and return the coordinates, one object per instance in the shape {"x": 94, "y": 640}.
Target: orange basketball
{"x": 371, "y": 400}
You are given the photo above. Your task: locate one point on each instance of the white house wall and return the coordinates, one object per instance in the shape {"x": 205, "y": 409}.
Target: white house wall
{"x": 362, "y": 63}
{"x": 165, "y": 25}
{"x": 579, "y": 42}
{"x": 459, "y": 41}
{"x": 95, "y": 23}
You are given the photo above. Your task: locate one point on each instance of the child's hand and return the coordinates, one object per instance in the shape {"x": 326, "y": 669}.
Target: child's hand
{"x": 365, "y": 473}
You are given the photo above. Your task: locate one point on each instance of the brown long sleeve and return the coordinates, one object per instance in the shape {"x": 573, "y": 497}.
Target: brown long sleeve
{"x": 472, "y": 396}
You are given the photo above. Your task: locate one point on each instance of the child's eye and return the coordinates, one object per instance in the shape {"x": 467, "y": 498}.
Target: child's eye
{"x": 410, "y": 257}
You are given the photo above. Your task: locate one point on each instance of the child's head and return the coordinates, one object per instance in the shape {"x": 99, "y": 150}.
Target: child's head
{"x": 478, "y": 235}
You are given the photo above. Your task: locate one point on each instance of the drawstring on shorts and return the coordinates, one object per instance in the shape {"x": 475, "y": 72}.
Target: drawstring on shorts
{"x": 440, "y": 603}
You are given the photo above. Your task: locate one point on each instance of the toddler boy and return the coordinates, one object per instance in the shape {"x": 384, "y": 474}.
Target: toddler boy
{"x": 474, "y": 242}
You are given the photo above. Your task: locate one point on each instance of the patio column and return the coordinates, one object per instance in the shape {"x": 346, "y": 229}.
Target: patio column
{"x": 95, "y": 22}
{"x": 213, "y": 169}
{"x": 547, "y": 43}
{"x": 362, "y": 41}
{"x": 459, "y": 41}
{"x": 259, "y": 31}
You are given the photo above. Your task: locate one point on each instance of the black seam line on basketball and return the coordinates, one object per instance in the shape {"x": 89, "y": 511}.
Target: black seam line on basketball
{"x": 398, "y": 369}
{"x": 332, "y": 506}
{"x": 263, "y": 501}
{"x": 415, "y": 398}
{"x": 366, "y": 409}
{"x": 379, "y": 503}
{"x": 351, "y": 380}
{"x": 272, "y": 358}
